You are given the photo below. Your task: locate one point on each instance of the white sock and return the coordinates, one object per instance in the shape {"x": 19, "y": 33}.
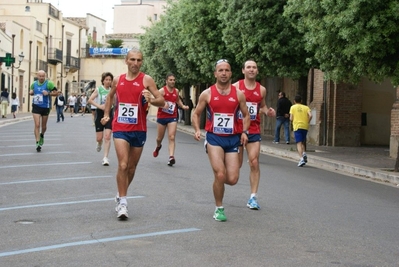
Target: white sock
{"x": 254, "y": 195}
{"x": 221, "y": 207}
{"x": 123, "y": 201}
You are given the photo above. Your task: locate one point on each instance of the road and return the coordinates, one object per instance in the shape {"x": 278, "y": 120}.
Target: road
{"x": 57, "y": 209}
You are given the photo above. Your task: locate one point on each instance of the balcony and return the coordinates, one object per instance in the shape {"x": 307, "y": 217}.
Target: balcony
{"x": 54, "y": 56}
{"x": 41, "y": 65}
{"x": 73, "y": 63}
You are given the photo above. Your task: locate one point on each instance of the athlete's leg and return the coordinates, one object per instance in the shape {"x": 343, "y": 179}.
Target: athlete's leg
{"x": 172, "y": 126}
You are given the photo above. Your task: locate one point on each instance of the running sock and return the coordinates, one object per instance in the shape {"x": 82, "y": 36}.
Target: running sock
{"x": 123, "y": 201}
{"x": 221, "y": 207}
{"x": 253, "y": 195}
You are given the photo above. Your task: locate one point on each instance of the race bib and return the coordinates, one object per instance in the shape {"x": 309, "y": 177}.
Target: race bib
{"x": 38, "y": 99}
{"x": 223, "y": 123}
{"x": 252, "y": 110}
{"x": 128, "y": 113}
{"x": 171, "y": 107}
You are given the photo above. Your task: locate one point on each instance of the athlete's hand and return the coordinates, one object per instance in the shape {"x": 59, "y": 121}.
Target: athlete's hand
{"x": 104, "y": 120}
{"x": 244, "y": 139}
{"x": 147, "y": 95}
{"x": 271, "y": 112}
{"x": 197, "y": 135}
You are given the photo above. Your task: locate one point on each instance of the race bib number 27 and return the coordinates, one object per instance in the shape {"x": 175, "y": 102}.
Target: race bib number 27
{"x": 223, "y": 123}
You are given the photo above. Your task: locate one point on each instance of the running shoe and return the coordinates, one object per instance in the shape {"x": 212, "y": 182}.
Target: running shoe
{"x": 105, "y": 161}
{"x": 156, "y": 151}
{"x": 41, "y": 141}
{"x": 117, "y": 201}
{"x": 219, "y": 215}
{"x": 253, "y": 203}
{"x": 38, "y": 147}
{"x": 171, "y": 161}
{"x": 305, "y": 157}
{"x": 122, "y": 212}
{"x": 98, "y": 146}
{"x": 301, "y": 163}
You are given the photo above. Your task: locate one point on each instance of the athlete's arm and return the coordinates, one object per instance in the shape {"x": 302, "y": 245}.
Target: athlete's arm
{"x": 109, "y": 101}
{"x": 195, "y": 118}
{"x": 151, "y": 87}
{"x": 263, "y": 107}
{"x": 92, "y": 98}
{"x": 245, "y": 116}
{"x": 180, "y": 103}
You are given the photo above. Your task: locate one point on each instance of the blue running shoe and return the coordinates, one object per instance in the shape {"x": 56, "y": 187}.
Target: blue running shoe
{"x": 253, "y": 203}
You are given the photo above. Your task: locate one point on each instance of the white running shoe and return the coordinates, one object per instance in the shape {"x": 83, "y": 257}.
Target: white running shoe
{"x": 98, "y": 146}
{"x": 122, "y": 212}
{"x": 105, "y": 161}
{"x": 117, "y": 201}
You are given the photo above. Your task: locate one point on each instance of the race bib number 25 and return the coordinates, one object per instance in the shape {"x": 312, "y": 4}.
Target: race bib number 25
{"x": 127, "y": 113}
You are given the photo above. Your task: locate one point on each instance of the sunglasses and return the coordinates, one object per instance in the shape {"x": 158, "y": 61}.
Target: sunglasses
{"x": 221, "y": 61}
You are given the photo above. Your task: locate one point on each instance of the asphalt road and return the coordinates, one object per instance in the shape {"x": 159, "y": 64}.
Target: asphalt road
{"x": 57, "y": 209}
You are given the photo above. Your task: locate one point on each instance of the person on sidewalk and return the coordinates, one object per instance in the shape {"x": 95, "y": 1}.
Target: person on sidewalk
{"x": 167, "y": 117}
{"x": 134, "y": 90}
{"x": 4, "y": 101}
{"x": 41, "y": 90}
{"x": 300, "y": 116}
{"x": 59, "y": 104}
{"x": 255, "y": 95}
{"x": 282, "y": 118}
{"x": 222, "y": 102}
{"x": 83, "y": 103}
{"x": 103, "y": 131}
{"x": 14, "y": 104}
{"x": 71, "y": 102}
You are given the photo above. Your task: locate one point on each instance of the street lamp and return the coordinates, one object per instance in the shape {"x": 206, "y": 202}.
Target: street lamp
{"x": 20, "y": 59}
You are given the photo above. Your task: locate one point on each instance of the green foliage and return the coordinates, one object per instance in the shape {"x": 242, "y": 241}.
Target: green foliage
{"x": 257, "y": 29}
{"x": 350, "y": 39}
{"x": 115, "y": 43}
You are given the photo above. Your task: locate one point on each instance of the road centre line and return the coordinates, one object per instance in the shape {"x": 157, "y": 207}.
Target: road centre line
{"x": 33, "y": 146}
{"x": 28, "y": 154}
{"x": 62, "y": 203}
{"x": 56, "y": 179}
{"x": 97, "y": 241}
{"x": 47, "y": 164}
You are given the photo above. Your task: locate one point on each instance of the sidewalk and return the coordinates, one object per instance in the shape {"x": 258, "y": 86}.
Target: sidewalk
{"x": 371, "y": 163}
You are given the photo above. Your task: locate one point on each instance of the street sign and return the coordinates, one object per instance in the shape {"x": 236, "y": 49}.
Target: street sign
{"x": 8, "y": 59}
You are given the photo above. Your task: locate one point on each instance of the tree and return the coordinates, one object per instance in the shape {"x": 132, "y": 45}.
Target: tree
{"x": 350, "y": 39}
{"x": 257, "y": 29}
{"x": 115, "y": 43}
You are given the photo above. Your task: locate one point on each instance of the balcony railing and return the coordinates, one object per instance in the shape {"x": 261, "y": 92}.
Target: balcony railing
{"x": 54, "y": 56}
{"x": 53, "y": 12}
{"x": 73, "y": 63}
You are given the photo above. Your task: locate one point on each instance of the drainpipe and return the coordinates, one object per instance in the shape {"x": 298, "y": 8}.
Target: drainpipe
{"x": 12, "y": 66}
{"x": 80, "y": 63}
{"x": 62, "y": 67}
{"x": 30, "y": 69}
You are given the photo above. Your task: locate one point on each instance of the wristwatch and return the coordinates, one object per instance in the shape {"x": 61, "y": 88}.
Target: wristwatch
{"x": 246, "y": 132}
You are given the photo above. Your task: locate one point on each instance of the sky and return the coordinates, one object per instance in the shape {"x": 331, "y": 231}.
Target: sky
{"x": 79, "y": 8}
